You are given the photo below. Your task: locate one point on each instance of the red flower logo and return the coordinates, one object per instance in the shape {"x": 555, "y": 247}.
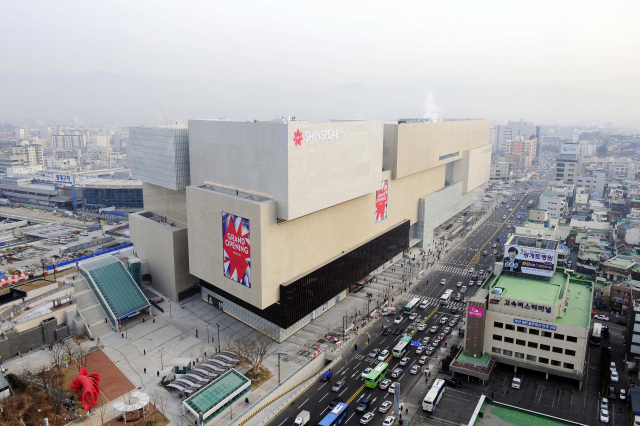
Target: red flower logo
{"x": 297, "y": 137}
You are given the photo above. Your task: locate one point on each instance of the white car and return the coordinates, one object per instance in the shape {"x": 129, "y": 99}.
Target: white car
{"x": 623, "y": 394}
{"x": 602, "y": 317}
{"x": 392, "y": 388}
{"x": 383, "y": 355}
{"x": 604, "y": 416}
{"x": 614, "y": 377}
{"x": 504, "y": 217}
{"x": 443, "y": 282}
{"x": 366, "y": 418}
{"x": 422, "y": 327}
{"x": 388, "y": 421}
{"x": 459, "y": 284}
{"x": 398, "y": 320}
{"x": 413, "y": 316}
{"x": 612, "y": 366}
{"x": 366, "y": 372}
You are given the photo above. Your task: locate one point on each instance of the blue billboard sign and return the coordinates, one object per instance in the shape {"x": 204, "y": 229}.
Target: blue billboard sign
{"x": 416, "y": 344}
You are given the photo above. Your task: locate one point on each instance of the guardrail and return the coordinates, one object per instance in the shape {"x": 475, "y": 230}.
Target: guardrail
{"x": 21, "y": 305}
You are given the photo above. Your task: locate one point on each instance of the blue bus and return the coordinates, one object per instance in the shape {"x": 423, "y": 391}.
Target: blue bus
{"x": 336, "y": 415}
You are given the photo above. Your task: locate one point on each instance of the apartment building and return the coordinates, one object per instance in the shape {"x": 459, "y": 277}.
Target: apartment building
{"x": 618, "y": 269}
{"x": 556, "y": 205}
{"x": 594, "y": 181}
{"x": 500, "y": 170}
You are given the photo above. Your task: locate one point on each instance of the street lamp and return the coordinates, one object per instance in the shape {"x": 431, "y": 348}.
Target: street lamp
{"x": 207, "y": 333}
{"x": 279, "y": 381}
{"x": 161, "y": 363}
{"x": 218, "y": 336}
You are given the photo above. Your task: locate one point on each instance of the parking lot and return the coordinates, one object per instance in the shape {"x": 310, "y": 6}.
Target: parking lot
{"x": 555, "y": 396}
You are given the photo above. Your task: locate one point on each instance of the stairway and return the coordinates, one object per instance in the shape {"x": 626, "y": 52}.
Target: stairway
{"x": 90, "y": 309}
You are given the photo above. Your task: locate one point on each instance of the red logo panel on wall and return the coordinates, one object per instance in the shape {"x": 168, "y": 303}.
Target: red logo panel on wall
{"x": 236, "y": 247}
{"x": 381, "y": 201}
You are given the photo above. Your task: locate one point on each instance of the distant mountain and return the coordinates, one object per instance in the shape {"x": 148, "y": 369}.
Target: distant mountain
{"x": 103, "y": 97}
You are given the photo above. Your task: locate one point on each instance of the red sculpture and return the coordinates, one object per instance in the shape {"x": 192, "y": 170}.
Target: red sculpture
{"x": 88, "y": 388}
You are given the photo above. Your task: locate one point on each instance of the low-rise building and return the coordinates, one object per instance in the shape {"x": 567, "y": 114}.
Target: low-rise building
{"x": 554, "y": 204}
{"x": 538, "y": 215}
{"x": 500, "y": 170}
{"x": 534, "y": 316}
{"x": 594, "y": 181}
{"x": 618, "y": 269}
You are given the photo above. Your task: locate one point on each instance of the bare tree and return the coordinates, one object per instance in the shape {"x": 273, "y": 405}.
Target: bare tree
{"x": 57, "y": 354}
{"x": 253, "y": 348}
{"x": 103, "y": 413}
{"x": 84, "y": 357}
{"x": 163, "y": 403}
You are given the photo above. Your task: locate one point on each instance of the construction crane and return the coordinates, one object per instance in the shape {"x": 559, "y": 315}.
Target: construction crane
{"x": 165, "y": 116}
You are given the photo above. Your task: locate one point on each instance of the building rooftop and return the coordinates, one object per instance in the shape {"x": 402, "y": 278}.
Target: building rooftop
{"x": 579, "y": 308}
{"x": 207, "y": 398}
{"x": 620, "y": 262}
{"x": 519, "y": 240}
{"x": 491, "y": 413}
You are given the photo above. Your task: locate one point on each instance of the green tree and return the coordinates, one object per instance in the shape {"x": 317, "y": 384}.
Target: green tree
{"x": 601, "y": 150}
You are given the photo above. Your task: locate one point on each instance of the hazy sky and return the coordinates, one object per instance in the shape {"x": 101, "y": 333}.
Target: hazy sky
{"x": 591, "y": 47}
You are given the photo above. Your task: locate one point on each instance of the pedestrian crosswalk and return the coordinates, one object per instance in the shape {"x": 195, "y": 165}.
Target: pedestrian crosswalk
{"x": 455, "y": 270}
{"x": 432, "y": 301}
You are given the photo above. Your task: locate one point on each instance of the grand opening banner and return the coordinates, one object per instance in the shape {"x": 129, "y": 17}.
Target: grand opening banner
{"x": 381, "y": 201}
{"x": 236, "y": 247}
{"x": 529, "y": 260}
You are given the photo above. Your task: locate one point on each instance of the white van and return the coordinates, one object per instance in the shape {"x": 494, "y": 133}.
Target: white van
{"x": 515, "y": 383}
{"x": 424, "y": 305}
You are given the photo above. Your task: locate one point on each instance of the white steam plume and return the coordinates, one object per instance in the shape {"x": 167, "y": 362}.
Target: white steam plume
{"x": 430, "y": 109}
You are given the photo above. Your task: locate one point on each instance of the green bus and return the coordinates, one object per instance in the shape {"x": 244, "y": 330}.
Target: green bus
{"x": 378, "y": 374}
{"x": 402, "y": 347}
{"x": 530, "y": 204}
{"x": 409, "y": 307}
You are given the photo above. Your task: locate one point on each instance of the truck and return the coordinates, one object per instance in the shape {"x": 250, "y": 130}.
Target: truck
{"x": 634, "y": 406}
{"x": 364, "y": 404}
{"x": 389, "y": 310}
{"x": 302, "y": 418}
{"x": 326, "y": 376}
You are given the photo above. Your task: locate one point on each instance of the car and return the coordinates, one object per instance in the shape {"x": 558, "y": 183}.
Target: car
{"x": 442, "y": 336}
{"x": 444, "y": 320}
{"x": 338, "y": 385}
{"x": 435, "y": 343}
{"x": 413, "y": 316}
{"x": 374, "y": 353}
{"x": 615, "y": 377}
{"x": 392, "y": 388}
{"x": 459, "y": 284}
{"x": 398, "y": 320}
{"x": 415, "y": 369}
{"x": 447, "y": 330}
{"x": 404, "y": 361}
{"x": 612, "y": 393}
{"x": 424, "y": 305}
{"x": 385, "y": 406}
{"x": 454, "y": 311}
{"x": 456, "y": 317}
{"x": 386, "y": 330}
{"x": 384, "y": 384}
{"x": 396, "y": 372}
{"x": 433, "y": 329}
{"x": 423, "y": 359}
{"x": 452, "y": 323}
{"x": 604, "y": 416}
{"x": 495, "y": 245}
{"x": 398, "y": 330}
{"x": 463, "y": 290}
{"x": 366, "y": 418}
{"x": 495, "y": 252}
{"x": 602, "y": 317}
{"x": 443, "y": 282}
{"x": 422, "y": 327}
{"x": 456, "y": 298}
{"x": 612, "y": 366}
{"x": 426, "y": 340}
{"x": 479, "y": 282}
{"x": 383, "y": 355}
{"x": 516, "y": 382}
{"x": 389, "y": 421}
{"x": 504, "y": 217}
{"x": 623, "y": 394}
{"x": 472, "y": 271}
{"x": 429, "y": 350}
{"x": 453, "y": 383}
{"x": 366, "y": 372}
{"x": 419, "y": 349}
{"x": 480, "y": 272}
{"x": 621, "y": 322}
{"x": 334, "y": 402}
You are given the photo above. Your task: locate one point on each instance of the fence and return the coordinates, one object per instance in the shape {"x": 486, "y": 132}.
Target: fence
{"x": 89, "y": 256}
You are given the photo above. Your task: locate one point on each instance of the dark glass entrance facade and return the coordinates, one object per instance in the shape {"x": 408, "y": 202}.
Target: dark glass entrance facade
{"x": 300, "y": 297}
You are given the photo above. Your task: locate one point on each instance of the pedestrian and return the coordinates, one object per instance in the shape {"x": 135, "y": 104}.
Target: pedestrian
{"x": 407, "y": 411}
{"x": 158, "y": 373}
{"x": 145, "y": 370}
{"x": 246, "y": 400}
{"x": 145, "y": 351}
{"x": 196, "y": 332}
{"x": 356, "y": 346}
{"x": 105, "y": 320}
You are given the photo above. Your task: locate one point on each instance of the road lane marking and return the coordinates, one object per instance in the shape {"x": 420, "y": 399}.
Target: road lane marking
{"x": 345, "y": 389}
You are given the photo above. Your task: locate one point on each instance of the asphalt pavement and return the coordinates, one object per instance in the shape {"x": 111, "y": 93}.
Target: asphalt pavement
{"x": 453, "y": 268}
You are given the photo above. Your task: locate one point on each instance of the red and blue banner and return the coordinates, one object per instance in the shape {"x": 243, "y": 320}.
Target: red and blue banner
{"x": 381, "y": 201}
{"x": 236, "y": 247}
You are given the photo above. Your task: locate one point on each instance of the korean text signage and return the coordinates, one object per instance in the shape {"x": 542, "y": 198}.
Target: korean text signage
{"x": 569, "y": 148}
{"x": 381, "y": 201}
{"x": 474, "y": 339}
{"x": 534, "y": 324}
{"x": 63, "y": 179}
{"x": 322, "y": 135}
{"x": 524, "y": 305}
{"x": 236, "y": 248}
{"x": 529, "y": 260}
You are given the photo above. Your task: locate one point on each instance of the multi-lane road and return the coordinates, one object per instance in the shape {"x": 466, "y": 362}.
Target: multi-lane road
{"x": 453, "y": 268}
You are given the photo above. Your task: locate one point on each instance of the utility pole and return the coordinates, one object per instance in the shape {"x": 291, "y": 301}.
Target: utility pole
{"x": 218, "y": 336}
